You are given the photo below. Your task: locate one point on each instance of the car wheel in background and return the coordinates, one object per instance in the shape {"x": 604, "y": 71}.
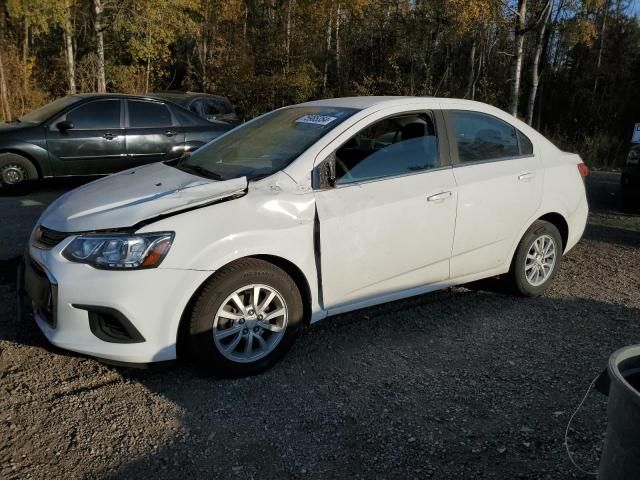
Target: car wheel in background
{"x": 244, "y": 319}
{"x": 537, "y": 259}
{"x": 16, "y": 169}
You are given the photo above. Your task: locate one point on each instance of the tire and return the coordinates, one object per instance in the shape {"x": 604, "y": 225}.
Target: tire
{"x": 16, "y": 169}
{"x": 219, "y": 330}
{"x": 522, "y": 276}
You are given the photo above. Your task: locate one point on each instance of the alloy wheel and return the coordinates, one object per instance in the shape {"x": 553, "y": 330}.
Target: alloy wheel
{"x": 250, "y": 323}
{"x": 540, "y": 260}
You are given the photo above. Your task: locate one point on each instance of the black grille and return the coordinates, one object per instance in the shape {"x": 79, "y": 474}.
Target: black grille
{"x": 47, "y": 238}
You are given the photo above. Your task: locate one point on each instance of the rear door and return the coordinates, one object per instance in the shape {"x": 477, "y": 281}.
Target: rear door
{"x": 153, "y": 134}
{"x": 500, "y": 182}
{"x": 96, "y": 142}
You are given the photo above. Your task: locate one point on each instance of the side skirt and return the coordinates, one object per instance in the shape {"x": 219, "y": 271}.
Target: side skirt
{"x": 412, "y": 292}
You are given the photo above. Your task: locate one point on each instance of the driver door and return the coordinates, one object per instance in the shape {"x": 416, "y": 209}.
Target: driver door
{"x": 387, "y": 222}
{"x": 94, "y": 145}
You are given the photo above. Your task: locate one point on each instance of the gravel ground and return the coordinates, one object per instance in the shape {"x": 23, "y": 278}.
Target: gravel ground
{"x": 463, "y": 383}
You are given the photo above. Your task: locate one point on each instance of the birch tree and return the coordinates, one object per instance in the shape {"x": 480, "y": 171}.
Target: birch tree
{"x": 98, "y": 26}
{"x": 535, "y": 64}
{"x": 518, "y": 56}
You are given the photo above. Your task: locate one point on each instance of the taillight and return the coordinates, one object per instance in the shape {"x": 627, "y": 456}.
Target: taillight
{"x": 584, "y": 170}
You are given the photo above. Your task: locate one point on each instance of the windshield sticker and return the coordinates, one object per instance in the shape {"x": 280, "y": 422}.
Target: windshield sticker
{"x": 316, "y": 119}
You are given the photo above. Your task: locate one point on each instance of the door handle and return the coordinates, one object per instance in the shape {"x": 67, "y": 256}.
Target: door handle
{"x": 170, "y": 133}
{"x": 439, "y": 197}
{"x": 109, "y": 136}
{"x": 527, "y": 176}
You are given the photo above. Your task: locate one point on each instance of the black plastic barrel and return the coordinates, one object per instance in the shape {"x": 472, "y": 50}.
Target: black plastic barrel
{"x": 621, "y": 455}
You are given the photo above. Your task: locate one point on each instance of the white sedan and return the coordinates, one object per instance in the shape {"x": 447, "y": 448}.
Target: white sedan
{"x": 305, "y": 212}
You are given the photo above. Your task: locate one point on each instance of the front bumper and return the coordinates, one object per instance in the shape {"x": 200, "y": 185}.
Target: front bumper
{"x": 151, "y": 300}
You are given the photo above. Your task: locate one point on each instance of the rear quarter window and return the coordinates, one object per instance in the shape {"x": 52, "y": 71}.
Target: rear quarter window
{"x": 481, "y": 137}
{"x": 526, "y": 147}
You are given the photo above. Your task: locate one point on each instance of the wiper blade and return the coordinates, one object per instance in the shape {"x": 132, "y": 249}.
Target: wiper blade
{"x": 201, "y": 171}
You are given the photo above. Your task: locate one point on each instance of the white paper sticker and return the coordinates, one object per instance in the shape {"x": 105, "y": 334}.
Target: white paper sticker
{"x": 316, "y": 119}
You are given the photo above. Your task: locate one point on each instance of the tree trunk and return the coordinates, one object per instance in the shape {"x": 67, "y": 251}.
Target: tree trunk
{"x": 478, "y": 73}
{"x": 535, "y": 67}
{"x": 602, "y": 34}
{"x": 69, "y": 55}
{"x": 472, "y": 70}
{"x": 4, "y": 100}
{"x": 518, "y": 56}
{"x": 102, "y": 82}
{"x": 338, "y": 43}
{"x": 25, "y": 56}
{"x": 288, "y": 45}
{"x": 244, "y": 23}
{"x": 148, "y": 68}
{"x": 326, "y": 61}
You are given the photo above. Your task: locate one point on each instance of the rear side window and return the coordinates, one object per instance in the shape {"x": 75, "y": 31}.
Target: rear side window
{"x": 482, "y": 137}
{"x": 197, "y": 107}
{"x": 210, "y": 108}
{"x": 148, "y": 114}
{"x": 97, "y": 115}
{"x": 394, "y": 146}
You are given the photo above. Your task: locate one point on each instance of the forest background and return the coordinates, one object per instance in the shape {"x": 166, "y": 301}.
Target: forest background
{"x": 570, "y": 68}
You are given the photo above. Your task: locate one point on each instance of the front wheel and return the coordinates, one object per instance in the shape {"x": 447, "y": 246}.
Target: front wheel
{"x": 537, "y": 259}
{"x": 16, "y": 169}
{"x": 245, "y": 319}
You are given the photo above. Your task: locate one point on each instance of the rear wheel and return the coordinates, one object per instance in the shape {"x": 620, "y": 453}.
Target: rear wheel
{"x": 245, "y": 319}
{"x": 16, "y": 169}
{"x": 537, "y": 259}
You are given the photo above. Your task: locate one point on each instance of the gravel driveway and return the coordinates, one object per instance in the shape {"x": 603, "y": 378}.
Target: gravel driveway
{"x": 463, "y": 383}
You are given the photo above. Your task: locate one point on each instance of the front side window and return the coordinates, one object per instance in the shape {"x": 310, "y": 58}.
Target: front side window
{"x": 148, "y": 114}
{"x": 394, "y": 146}
{"x": 481, "y": 137}
{"x": 265, "y": 145}
{"x": 97, "y": 115}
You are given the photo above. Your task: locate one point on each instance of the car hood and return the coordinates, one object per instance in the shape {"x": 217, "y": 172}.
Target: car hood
{"x": 14, "y": 127}
{"x": 140, "y": 194}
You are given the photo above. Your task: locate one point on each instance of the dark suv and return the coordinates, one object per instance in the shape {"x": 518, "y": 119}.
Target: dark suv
{"x": 214, "y": 108}
{"x": 630, "y": 180}
{"x": 95, "y": 134}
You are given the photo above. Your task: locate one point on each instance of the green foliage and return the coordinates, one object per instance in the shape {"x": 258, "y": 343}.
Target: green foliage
{"x": 267, "y": 53}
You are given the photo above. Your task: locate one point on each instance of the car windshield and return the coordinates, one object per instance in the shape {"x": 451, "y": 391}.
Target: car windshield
{"x": 266, "y": 145}
{"x": 45, "y": 112}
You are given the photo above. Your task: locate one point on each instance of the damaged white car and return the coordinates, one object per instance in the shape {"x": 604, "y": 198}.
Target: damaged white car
{"x": 305, "y": 212}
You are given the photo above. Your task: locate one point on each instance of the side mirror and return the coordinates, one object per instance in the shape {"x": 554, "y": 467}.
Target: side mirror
{"x": 325, "y": 173}
{"x": 64, "y": 126}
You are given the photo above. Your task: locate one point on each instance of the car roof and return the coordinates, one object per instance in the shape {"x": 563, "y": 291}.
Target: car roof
{"x": 185, "y": 97}
{"x": 362, "y": 103}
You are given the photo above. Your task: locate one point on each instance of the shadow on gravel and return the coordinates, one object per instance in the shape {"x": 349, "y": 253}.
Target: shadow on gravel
{"x": 459, "y": 383}
{"x": 462, "y": 383}
{"x": 619, "y": 236}
{"x": 8, "y": 270}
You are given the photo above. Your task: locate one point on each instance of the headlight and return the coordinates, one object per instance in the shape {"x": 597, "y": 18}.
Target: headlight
{"x": 120, "y": 252}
